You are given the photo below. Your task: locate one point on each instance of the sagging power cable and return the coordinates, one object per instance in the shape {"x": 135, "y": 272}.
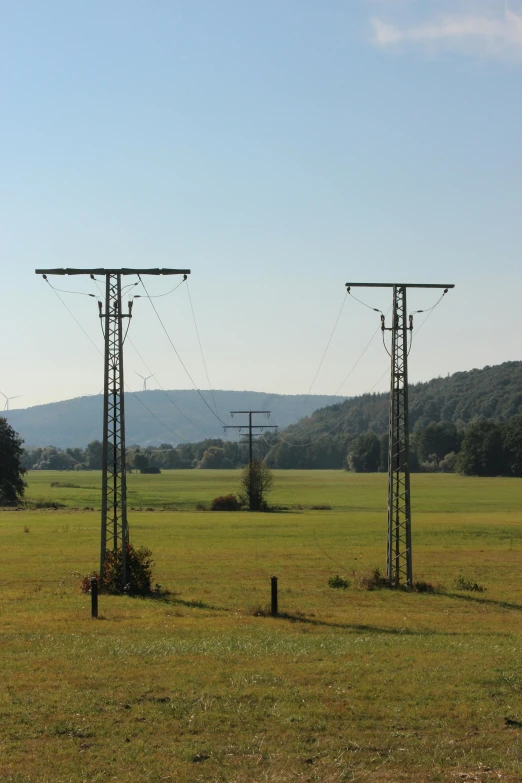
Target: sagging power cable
{"x": 375, "y": 309}
{"x": 324, "y": 353}
{"x": 177, "y": 354}
{"x": 201, "y": 349}
{"x": 177, "y": 434}
{"x": 171, "y": 400}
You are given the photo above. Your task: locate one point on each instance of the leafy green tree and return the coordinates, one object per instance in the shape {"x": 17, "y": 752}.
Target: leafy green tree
{"x": 256, "y": 481}
{"x": 364, "y": 453}
{"x": 141, "y": 461}
{"x": 214, "y": 458}
{"x": 436, "y": 439}
{"x": 12, "y": 484}
{"x": 512, "y": 441}
{"x": 482, "y": 451}
{"x": 94, "y": 455}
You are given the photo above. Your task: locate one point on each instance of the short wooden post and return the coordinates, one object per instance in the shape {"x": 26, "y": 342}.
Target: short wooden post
{"x": 94, "y": 598}
{"x": 273, "y": 607}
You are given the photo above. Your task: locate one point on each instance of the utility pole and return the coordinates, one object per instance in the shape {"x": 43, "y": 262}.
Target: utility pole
{"x": 399, "y": 568}
{"x": 251, "y": 428}
{"x": 114, "y": 526}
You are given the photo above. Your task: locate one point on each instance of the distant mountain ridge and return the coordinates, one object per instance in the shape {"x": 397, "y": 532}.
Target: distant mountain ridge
{"x": 488, "y": 393}
{"x": 152, "y": 418}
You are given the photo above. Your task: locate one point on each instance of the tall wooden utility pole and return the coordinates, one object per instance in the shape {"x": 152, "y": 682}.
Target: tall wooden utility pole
{"x": 114, "y": 526}
{"x": 399, "y": 569}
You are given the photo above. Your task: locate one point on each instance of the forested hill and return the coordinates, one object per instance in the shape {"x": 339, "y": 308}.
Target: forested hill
{"x": 154, "y": 417}
{"x": 489, "y": 393}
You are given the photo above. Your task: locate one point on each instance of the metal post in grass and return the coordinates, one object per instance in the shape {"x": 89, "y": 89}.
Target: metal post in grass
{"x": 94, "y": 598}
{"x": 273, "y": 604}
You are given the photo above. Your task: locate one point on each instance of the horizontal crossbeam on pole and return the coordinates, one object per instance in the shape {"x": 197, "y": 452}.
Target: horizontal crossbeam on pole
{"x": 232, "y": 412}
{"x": 400, "y": 285}
{"x": 254, "y": 426}
{"x": 123, "y": 271}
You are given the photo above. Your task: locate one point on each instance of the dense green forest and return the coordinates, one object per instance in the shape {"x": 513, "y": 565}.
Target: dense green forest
{"x": 470, "y": 422}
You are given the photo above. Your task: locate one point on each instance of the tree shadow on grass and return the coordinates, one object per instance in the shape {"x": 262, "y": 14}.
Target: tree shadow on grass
{"x": 171, "y": 600}
{"x": 297, "y": 618}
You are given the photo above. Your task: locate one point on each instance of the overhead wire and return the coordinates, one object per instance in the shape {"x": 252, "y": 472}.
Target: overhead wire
{"x": 179, "y": 357}
{"x": 72, "y": 315}
{"x": 172, "y": 401}
{"x": 375, "y": 309}
{"x": 101, "y": 354}
{"x": 325, "y": 352}
{"x": 201, "y": 349}
{"x": 341, "y": 421}
{"x": 429, "y": 310}
{"x": 158, "y": 296}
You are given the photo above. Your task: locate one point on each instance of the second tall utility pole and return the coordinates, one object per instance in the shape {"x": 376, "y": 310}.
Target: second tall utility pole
{"x": 114, "y": 527}
{"x": 399, "y": 568}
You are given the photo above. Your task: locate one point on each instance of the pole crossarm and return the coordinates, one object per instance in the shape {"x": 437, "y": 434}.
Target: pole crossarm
{"x": 399, "y": 569}
{"x": 102, "y": 272}
{"x": 400, "y": 285}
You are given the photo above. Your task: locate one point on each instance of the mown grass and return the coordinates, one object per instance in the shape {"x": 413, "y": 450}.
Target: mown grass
{"x": 345, "y": 685}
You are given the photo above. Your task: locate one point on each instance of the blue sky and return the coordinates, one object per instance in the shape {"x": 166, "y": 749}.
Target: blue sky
{"x": 278, "y": 149}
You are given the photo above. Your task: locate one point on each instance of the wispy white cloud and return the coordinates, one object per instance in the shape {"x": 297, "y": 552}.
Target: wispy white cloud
{"x": 470, "y": 34}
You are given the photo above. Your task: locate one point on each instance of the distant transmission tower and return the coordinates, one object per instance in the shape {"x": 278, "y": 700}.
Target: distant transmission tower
{"x": 399, "y": 568}
{"x": 114, "y": 526}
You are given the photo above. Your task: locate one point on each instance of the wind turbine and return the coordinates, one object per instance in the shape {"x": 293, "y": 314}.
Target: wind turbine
{"x": 6, "y": 406}
{"x": 144, "y": 379}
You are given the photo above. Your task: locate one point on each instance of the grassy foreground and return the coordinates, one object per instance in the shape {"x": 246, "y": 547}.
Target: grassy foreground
{"x": 347, "y": 685}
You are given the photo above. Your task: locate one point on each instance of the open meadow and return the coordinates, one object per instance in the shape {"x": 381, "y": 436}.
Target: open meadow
{"x": 346, "y": 685}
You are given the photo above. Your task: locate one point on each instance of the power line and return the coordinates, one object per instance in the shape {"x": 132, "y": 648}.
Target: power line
{"x": 72, "y": 315}
{"x": 341, "y": 421}
{"x": 171, "y": 400}
{"x": 201, "y": 349}
{"x": 179, "y": 357}
{"x": 126, "y": 387}
{"x": 324, "y": 354}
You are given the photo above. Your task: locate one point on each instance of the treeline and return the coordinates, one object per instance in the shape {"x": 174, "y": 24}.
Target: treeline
{"x": 483, "y": 448}
{"x": 210, "y": 453}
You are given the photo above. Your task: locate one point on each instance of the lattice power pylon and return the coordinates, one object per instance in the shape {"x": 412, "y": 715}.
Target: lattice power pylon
{"x": 114, "y": 526}
{"x": 398, "y": 561}
{"x": 399, "y": 568}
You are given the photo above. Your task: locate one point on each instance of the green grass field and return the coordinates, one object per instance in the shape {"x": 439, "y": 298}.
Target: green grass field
{"x": 347, "y": 685}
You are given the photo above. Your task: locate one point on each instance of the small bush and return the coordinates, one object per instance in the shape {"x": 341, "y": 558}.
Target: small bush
{"x": 150, "y": 469}
{"x": 201, "y": 507}
{"x": 338, "y": 582}
{"x": 462, "y": 583}
{"x": 225, "y": 503}
{"x": 375, "y": 581}
{"x": 66, "y": 484}
{"x": 139, "y": 573}
{"x": 322, "y": 507}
